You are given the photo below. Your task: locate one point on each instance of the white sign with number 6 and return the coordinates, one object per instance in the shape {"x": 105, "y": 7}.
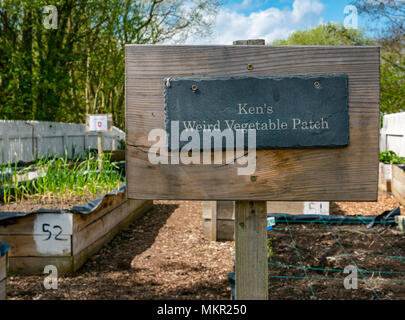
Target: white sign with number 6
{"x": 320, "y": 208}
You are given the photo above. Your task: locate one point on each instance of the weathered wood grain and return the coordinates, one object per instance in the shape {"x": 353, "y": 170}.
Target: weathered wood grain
{"x": 26, "y": 225}
{"x": 214, "y": 222}
{"x": 251, "y": 250}
{"x": 23, "y": 225}
{"x": 27, "y": 245}
{"x": 31, "y": 250}
{"x": 250, "y": 242}
{"x": 225, "y": 229}
{"x": 36, "y": 265}
{"x": 3, "y": 267}
{"x": 289, "y": 207}
{"x": 225, "y": 219}
{"x": 343, "y": 174}
{"x": 225, "y": 210}
{"x": 398, "y": 184}
{"x": 297, "y": 207}
{"x": 109, "y": 203}
{"x": 250, "y": 42}
{"x": 384, "y": 177}
{"x": 3, "y": 290}
{"x": 3, "y": 276}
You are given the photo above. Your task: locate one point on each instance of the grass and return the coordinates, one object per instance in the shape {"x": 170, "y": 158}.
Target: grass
{"x": 59, "y": 178}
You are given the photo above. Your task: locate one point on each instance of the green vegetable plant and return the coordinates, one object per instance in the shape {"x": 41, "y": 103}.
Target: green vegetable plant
{"x": 390, "y": 157}
{"x": 60, "y": 179}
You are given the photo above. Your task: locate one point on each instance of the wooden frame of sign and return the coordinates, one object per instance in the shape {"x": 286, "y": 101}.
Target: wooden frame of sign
{"x": 3, "y": 276}
{"x": 311, "y": 174}
{"x": 348, "y": 173}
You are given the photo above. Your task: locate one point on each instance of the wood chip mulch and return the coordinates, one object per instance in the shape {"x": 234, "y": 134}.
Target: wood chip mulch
{"x": 163, "y": 255}
{"x": 385, "y": 202}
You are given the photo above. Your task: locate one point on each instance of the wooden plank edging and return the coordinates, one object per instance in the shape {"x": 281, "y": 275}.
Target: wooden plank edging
{"x": 398, "y": 184}
{"x": 105, "y": 224}
{"x": 134, "y": 210}
{"x": 3, "y": 276}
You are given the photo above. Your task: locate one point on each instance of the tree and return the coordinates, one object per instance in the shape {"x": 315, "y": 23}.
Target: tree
{"x": 326, "y": 34}
{"x": 392, "y": 55}
{"x": 61, "y": 74}
{"x": 388, "y": 23}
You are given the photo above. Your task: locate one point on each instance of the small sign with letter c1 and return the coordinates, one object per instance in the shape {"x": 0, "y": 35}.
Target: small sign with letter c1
{"x": 99, "y": 122}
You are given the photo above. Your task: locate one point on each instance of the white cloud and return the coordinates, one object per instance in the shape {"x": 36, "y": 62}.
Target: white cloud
{"x": 269, "y": 24}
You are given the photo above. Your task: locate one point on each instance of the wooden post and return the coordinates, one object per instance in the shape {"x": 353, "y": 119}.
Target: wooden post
{"x": 251, "y": 264}
{"x": 251, "y": 250}
{"x": 214, "y": 223}
{"x": 3, "y": 276}
{"x": 100, "y": 149}
{"x": 225, "y": 220}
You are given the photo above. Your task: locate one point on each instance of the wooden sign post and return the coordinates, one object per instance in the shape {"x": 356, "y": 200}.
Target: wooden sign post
{"x": 251, "y": 265}
{"x": 99, "y": 123}
{"x": 314, "y": 111}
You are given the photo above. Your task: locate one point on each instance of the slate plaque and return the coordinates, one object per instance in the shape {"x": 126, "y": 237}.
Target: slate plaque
{"x": 293, "y": 111}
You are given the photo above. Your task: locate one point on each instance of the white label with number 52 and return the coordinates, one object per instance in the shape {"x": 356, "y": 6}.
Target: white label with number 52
{"x": 52, "y": 233}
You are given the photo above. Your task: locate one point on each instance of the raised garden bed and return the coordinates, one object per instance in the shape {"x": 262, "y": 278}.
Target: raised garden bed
{"x": 149, "y": 260}
{"x": 388, "y": 160}
{"x": 3, "y": 270}
{"x": 219, "y": 216}
{"x": 66, "y": 238}
{"x": 398, "y": 182}
{"x": 384, "y": 177}
{"x": 219, "y": 220}
{"x": 308, "y": 262}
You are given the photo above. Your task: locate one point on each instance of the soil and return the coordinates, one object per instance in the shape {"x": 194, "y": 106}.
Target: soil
{"x": 318, "y": 246}
{"x": 165, "y": 255}
{"x": 30, "y": 203}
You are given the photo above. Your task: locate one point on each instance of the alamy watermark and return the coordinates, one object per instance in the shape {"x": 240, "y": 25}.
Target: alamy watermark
{"x": 212, "y": 146}
{"x": 51, "y": 21}
{"x": 351, "y": 281}
{"x": 351, "y": 17}
{"x": 51, "y": 281}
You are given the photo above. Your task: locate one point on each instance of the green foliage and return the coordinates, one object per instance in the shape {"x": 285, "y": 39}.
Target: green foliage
{"x": 62, "y": 74}
{"x": 328, "y": 35}
{"x": 59, "y": 178}
{"x": 387, "y": 20}
{"x": 392, "y": 58}
{"x": 121, "y": 144}
{"x": 392, "y": 76}
{"x": 390, "y": 157}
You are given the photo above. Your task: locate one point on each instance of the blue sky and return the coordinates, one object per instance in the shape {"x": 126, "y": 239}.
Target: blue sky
{"x": 272, "y": 19}
{"x": 333, "y": 11}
